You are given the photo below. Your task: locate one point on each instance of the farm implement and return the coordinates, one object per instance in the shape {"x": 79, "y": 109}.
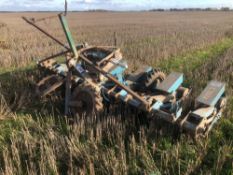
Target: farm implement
{"x": 94, "y": 77}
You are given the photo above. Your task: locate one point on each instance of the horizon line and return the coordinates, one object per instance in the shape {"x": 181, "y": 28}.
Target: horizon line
{"x": 149, "y": 10}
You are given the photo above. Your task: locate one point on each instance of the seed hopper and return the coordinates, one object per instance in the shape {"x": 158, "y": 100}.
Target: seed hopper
{"x": 207, "y": 111}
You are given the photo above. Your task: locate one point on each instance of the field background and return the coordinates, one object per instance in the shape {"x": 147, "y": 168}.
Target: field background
{"x": 35, "y": 140}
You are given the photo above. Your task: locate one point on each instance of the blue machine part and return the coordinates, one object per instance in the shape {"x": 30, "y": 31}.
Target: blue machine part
{"x": 61, "y": 69}
{"x": 133, "y": 102}
{"x": 118, "y": 72}
{"x": 123, "y": 94}
{"x": 212, "y": 93}
{"x": 79, "y": 68}
{"x": 179, "y": 112}
{"x": 177, "y": 109}
{"x": 204, "y": 112}
{"x": 157, "y": 105}
{"x": 171, "y": 83}
{"x": 149, "y": 69}
{"x": 173, "y": 108}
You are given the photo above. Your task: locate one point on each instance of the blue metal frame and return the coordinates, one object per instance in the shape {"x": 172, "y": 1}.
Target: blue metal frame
{"x": 178, "y": 81}
{"x": 119, "y": 73}
{"x": 205, "y": 94}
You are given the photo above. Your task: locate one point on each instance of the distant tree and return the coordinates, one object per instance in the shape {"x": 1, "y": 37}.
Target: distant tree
{"x": 175, "y": 9}
{"x": 157, "y": 10}
{"x": 200, "y": 9}
{"x": 225, "y": 9}
{"x": 208, "y": 9}
{"x": 192, "y": 9}
{"x": 98, "y": 10}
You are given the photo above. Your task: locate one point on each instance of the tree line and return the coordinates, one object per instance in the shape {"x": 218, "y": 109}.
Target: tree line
{"x": 194, "y": 9}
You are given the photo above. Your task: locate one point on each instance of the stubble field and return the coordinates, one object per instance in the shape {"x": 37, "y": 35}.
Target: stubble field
{"x": 34, "y": 137}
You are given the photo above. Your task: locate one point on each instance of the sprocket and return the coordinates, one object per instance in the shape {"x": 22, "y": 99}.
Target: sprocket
{"x": 154, "y": 78}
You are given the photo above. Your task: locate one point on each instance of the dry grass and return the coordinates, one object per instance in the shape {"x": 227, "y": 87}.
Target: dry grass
{"x": 37, "y": 140}
{"x": 144, "y": 37}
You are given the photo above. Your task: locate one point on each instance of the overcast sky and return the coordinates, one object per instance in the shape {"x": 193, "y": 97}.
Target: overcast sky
{"x": 35, "y": 5}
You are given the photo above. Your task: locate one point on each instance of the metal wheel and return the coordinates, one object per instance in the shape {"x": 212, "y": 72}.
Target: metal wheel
{"x": 154, "y": 78}
{"x": 85, "y": 100}
{"x": 48, "y": 85}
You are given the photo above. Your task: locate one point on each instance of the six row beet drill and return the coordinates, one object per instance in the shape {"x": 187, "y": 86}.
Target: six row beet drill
{"x": 94, "y": 76}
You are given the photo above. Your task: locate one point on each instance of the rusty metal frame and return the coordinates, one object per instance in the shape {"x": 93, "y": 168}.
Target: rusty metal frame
{"x": 96, "y": 67}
